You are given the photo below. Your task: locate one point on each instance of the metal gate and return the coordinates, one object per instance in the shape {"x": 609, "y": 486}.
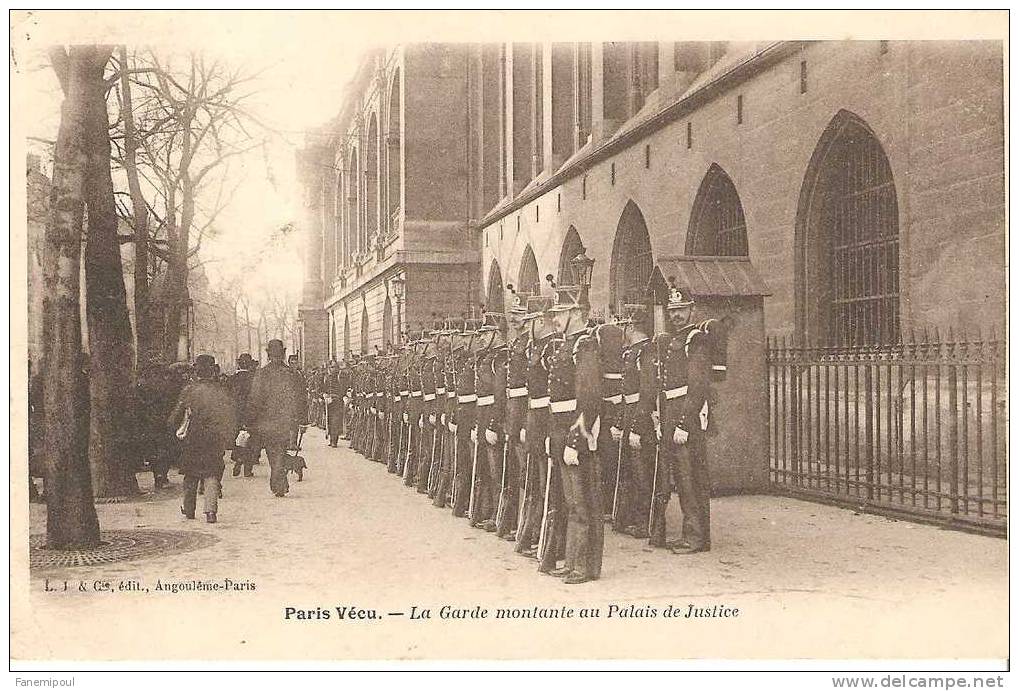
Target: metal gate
{"x": 917, "y": 427}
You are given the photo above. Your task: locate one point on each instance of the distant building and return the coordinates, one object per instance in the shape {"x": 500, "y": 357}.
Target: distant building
{"x": 864, "y": 180}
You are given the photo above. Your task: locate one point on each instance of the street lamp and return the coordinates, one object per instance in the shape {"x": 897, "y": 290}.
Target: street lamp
{"x": 583, "y": 266}
{"x": 397, "y": 284}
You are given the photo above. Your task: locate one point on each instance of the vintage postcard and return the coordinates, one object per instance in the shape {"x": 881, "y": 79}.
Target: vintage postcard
{"x": 509, "y": 337}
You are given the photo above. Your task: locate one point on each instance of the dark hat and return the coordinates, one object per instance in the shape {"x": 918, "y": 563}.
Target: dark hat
{"x": 244, "y": 360}
{"x": 275, "y": 345}
{"x": 205, "y": 366}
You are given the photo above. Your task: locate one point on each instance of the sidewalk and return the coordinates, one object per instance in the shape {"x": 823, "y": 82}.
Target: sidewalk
{"x": 809, "y": 580}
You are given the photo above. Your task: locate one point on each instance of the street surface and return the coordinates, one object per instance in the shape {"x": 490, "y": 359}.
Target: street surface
{"x": 808, "y": 581}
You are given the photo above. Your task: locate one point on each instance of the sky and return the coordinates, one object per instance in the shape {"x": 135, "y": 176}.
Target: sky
{"x": 298, "y": 89}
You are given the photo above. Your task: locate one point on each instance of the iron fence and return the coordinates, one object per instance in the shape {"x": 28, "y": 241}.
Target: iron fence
{"x": 917, "y": 427}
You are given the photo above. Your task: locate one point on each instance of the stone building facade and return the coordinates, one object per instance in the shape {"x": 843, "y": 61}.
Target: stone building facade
{"x": 864, "y": 180}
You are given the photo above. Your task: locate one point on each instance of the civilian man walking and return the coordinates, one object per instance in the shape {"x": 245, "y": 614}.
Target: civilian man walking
{"x": 274, "y": 412}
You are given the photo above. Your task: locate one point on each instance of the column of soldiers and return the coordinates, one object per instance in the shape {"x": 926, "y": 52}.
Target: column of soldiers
{"x": 540, "y": 424}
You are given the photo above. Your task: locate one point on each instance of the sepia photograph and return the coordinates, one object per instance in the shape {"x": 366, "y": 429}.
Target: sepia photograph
{"x": 510, "y": 340}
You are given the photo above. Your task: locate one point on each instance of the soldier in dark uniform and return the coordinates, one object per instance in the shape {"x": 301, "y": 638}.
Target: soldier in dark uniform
{"x": 452, "y": 342}
{"x": 637, "y": 456}
{"x": 490, "y": 378}
{"x": 536, "y": 477}
{"x": 428, "y": 418}
{"x": 515, "y": 372}
{"x": 464, "y": 419}
{"x": 399, "y": 397}
{"x": 609, "y": 337}
{"x": 685, "y": 359}
{"x": 244, "y": 457}
{"x": 575, "y": 404}
{"x": 436, "y": 416}
{"x": 336, "y": 386}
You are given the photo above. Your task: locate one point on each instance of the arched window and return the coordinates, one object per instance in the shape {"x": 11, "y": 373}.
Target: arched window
{"x": 529, "y": 280}
{"x": 495, "y": 296}
{"x": 346, "y": 334}
{"x": 353, "y": 205}
{"x": 632, "y": 260}
{"x": 387, "y": 324}
{"x": 364, "y": 330}
{"x": 572, "y": 246}
{"x": 847, "y": 230}
{"x": 371, "y": 183}
{"x": 393, "y": 154}
{"x": 342, "y": 252}
{"x": 717, "y": 225}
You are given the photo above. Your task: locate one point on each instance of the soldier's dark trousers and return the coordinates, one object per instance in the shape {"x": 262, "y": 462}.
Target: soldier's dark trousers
{"x": 640, "y": 467}
{"x": 445, "y": 480}
{"x": 607, "y": 457}
{"x": 275, "y": 449}
{"x": 693, "y": 485}
{"x": 335, "y": 422}
{"x": 494, "y": 466}
{"x": 484, "y": 507}
{"x": 555, "y": 513}
{"x": 507, "y": 506}
{"x": 585, "y": 529}
{"x": 424, "y": 461}
{"x": 411, "y": 467}
{"x": 534, "y": 477}
{"x": 395, "y": 440}
{"x": 465, "y": 416}
{"x": 438, "y": 449}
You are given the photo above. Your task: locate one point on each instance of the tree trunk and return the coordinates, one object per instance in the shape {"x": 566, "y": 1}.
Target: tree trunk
{"x": 71, "y": 521}
{"x": 140, "y": 213}
{"x": 111, "y": 452}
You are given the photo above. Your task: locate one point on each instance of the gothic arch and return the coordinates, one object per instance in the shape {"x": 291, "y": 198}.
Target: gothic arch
{"x": 529, "y": 280}
{"x": 572, "y": 246}
{"x": 495, "y": 295}
{"x": 632, "y": 259}
{"x": 717, "y": 226}
{"x": 847, "y": 239}
{"x": 393, "y": 165}
{"x": 353, "y": 226}
{"x": 364, "y": 330}
{"x": 371, "y": 182}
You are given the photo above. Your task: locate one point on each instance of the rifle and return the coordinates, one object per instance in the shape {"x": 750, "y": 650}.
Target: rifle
{"x": 546, "y": 518}
{"x": 619, "y": 476}
{"x": 658, "y": 447}
{"x": 474, "y": 478}
{"x": 522, "y": 498}
{"x": 432, "y": 472}
{"x": 500, "y": 511}
{"x": 454, "y": 483}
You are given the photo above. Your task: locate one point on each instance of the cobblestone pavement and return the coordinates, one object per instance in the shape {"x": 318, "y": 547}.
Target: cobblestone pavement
{"x": 808, "y": 580}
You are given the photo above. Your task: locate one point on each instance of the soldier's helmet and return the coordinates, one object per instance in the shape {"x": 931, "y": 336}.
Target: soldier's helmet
{"x": 516, "y": 302}
{"x": 677, "y": 300}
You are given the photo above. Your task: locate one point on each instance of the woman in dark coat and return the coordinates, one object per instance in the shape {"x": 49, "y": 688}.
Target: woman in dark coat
{"x": 210, "y": 433}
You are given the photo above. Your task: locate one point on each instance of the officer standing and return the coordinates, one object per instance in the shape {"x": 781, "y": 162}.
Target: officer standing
{"x": 491, "y": 404}
{"x": 575, "y": 402}
{"x": 464, "y": 420}
{"x": 511, "y": 494}
{"x": 637, "y": 458}
{"x": 685, "y": 359}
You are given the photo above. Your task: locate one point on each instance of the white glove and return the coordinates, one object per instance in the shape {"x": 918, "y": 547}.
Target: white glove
{"x": 523, "y": 435}
{"x": 474, "y": 434}
{"x": 680, "y": 436}
{"x": 617, "y": 434}
{"x": 634, "y": 440}
{"x": 382, "y": 416}
{"x": 548, "y": 452}
{"x": 346, "y": 400}
{"x": 442, "y": 419}
{"x": 452, "y": 428}
{"x": 405, "y": 418}
{"x": 242, "y": 438}
{"x": 431, "y": 419}
{"x": 570, "y": 456}
{"x": 491, "y": 437}
{"x": 421, "y": 423}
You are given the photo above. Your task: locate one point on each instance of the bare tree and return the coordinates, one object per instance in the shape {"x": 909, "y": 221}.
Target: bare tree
{"x": 189, "y": 123}
{"x": 71, "y": 521}
{"x": 111, "y": 453}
